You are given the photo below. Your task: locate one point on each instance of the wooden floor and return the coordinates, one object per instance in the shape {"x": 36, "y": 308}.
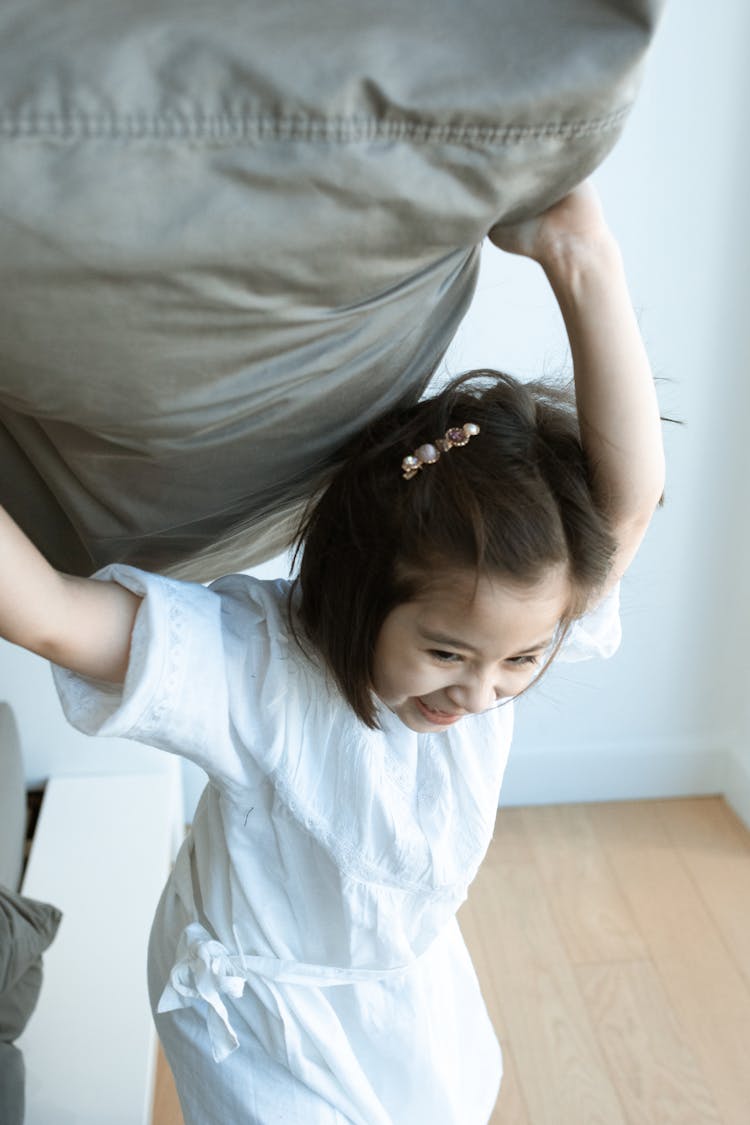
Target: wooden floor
{"x": 612, "y": 942}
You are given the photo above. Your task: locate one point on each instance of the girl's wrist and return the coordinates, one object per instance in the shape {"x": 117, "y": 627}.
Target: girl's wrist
{"x": 574, "y": 263}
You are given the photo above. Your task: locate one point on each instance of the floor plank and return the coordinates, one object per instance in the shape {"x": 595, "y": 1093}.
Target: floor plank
{"x": 166, "y": 1109}
{"x": 511, "y": 1108}
{"x": 647, "y": 1052}
{"x": 706, "y": 990}
{"x": 561, "y": 1069}
{"x": 714, "y": 847}
{"x": 591, "y": 914}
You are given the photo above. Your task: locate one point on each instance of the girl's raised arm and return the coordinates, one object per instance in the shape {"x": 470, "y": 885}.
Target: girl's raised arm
{"x": 78, "y": 623}
{"x": 617, "y": 408}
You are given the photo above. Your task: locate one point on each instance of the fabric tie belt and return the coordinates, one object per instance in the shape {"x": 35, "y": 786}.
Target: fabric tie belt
{"x": 206, "y": 970}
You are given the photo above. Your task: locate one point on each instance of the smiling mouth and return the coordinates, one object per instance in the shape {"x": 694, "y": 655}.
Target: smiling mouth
{"x": 441, "y": 718}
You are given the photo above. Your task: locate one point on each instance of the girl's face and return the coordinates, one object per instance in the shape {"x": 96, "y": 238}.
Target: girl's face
{"x": 464, "y": 645}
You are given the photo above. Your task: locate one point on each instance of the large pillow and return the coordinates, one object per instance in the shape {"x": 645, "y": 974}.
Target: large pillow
{"x": 232, "y": 233}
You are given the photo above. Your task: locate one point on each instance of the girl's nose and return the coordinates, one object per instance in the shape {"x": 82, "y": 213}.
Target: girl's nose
{"x": 475, "y": 694}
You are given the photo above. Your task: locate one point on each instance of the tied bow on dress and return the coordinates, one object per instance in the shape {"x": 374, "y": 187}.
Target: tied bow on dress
{"x": 206, "y": 970}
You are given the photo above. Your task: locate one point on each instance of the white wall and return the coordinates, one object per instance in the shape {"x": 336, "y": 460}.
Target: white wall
{"x": 665, "y": 715}
{"x": 668, "y": 714}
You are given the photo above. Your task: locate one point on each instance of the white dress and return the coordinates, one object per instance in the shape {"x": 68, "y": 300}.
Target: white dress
{"x": 305, "y": 963}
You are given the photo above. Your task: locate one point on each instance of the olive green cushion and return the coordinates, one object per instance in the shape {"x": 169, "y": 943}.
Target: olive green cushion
{"x": 27, "y": 928}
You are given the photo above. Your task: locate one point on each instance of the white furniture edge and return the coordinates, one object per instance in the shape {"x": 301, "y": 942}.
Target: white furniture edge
{"x": 102, "y": 850}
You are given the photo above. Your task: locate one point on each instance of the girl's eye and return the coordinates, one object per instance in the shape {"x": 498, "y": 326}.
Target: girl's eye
{"x": 519, "y": 661}
{"x": 444, "y": 657}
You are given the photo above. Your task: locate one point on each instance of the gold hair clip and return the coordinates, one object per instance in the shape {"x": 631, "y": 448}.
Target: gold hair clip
{"x": 428, "y": 454}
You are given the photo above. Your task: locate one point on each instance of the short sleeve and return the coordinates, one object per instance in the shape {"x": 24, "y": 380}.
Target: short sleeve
{"x": 176, "y": 694}
{"x": 597, "y": 633}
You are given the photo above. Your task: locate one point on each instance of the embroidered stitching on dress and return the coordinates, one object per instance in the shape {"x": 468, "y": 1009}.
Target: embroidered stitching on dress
{"x": 152, "y": 717}
{"x": 347, "y": 853}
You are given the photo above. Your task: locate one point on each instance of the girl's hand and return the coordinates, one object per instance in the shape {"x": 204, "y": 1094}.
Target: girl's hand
{"x": 617, "y": 409}
{"x": 574, "y": 225}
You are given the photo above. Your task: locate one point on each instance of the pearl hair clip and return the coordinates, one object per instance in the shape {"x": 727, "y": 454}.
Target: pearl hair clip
{"x": 428, "y": 454}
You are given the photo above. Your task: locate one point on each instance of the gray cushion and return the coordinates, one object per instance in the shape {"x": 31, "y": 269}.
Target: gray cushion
{"x": 12, "y": 1074}
{"x": 27, "y": 928}
{"x": 12, "y": 800}
{"x": 230, "y": 234}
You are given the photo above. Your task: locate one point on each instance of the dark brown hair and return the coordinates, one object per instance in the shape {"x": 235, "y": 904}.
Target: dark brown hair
{"x": 513, "y": 502}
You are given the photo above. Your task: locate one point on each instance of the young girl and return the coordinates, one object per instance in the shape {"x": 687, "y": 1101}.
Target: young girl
{"x": 305, "y": 963}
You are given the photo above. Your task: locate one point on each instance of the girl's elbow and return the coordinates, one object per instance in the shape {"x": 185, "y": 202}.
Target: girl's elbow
{"x": 629, "y": 532}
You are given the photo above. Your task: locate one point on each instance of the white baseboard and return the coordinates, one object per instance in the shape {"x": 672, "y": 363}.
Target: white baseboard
{"x": 737, "y": 785}
{"x": 565, "y": 775}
